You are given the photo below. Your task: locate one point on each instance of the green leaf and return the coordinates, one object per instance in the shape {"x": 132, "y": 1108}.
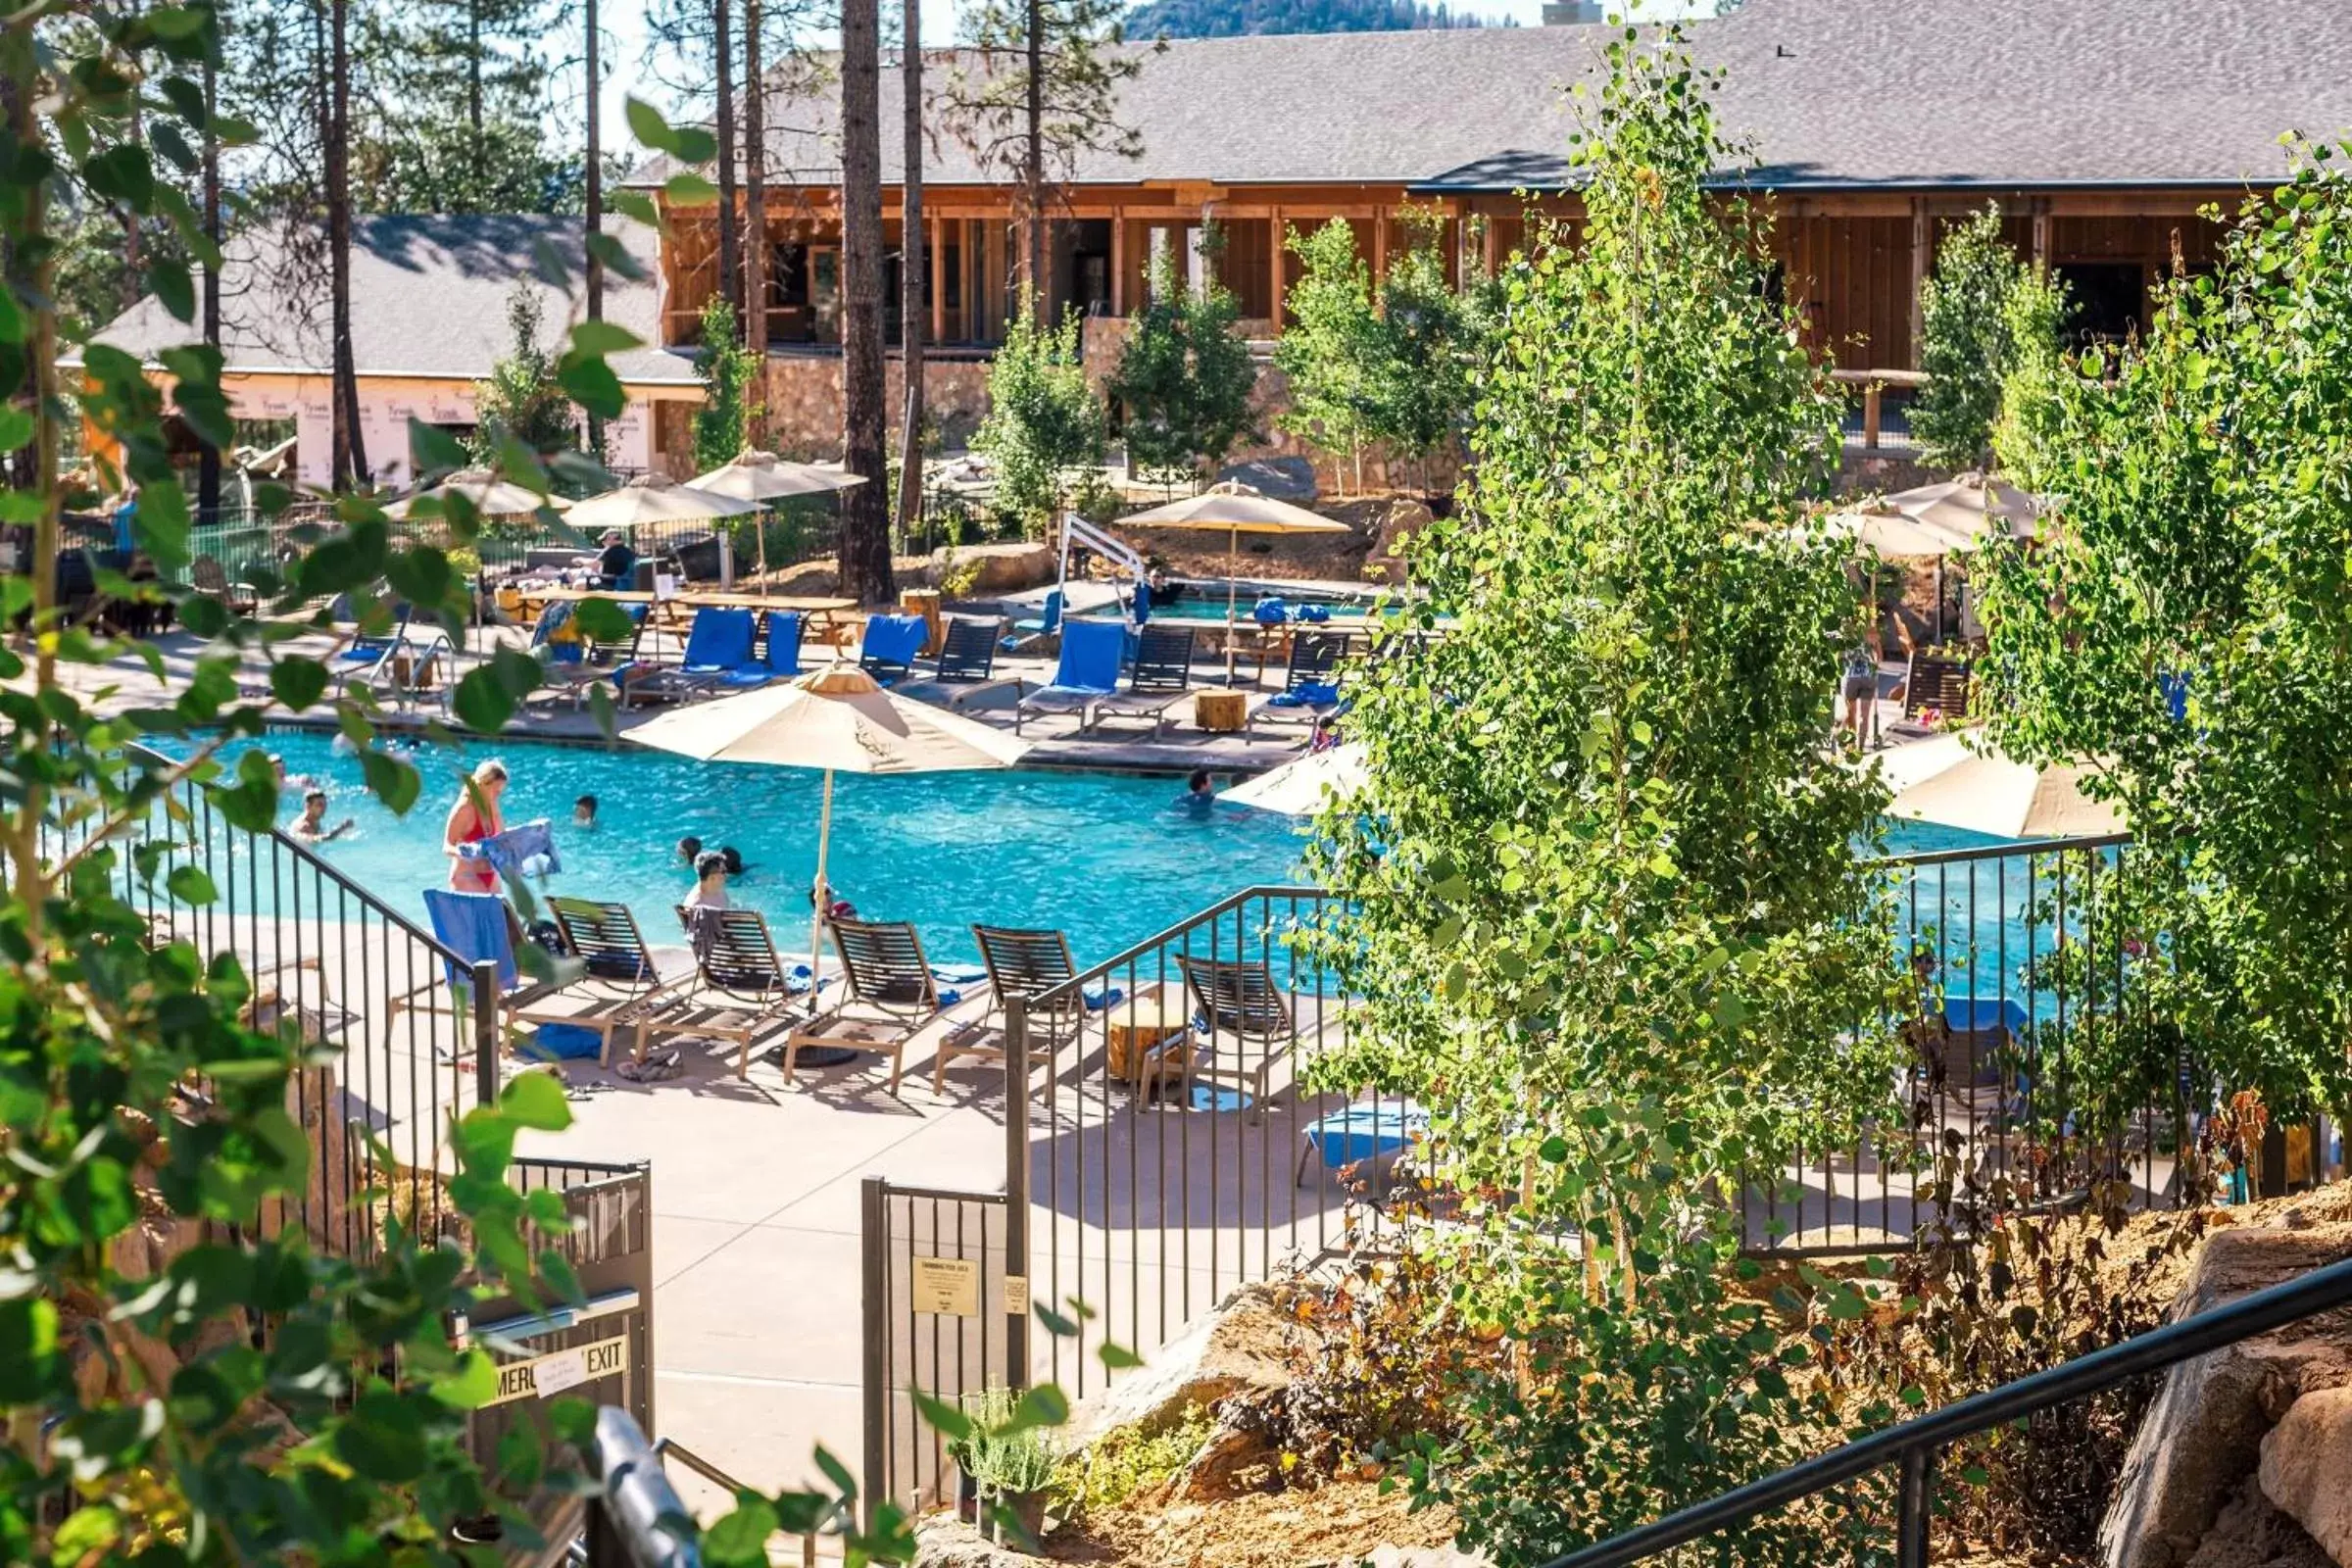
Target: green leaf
{"x": 394, "y": 782}
{"x": 690, "y": 189}
{"x": 602, "y": 337}
{"x": 592, "y": 384}
{"x": 472, "y": 1385}
{"x": 28, "y": 1349}
{"x": 433, "y": 450}
{"x": 167, "y": 139}
{"x": 122, "y": 173}
{"x": 943, "y": 1417}
{"x": 648, "y": 126}
{"x": 740, "y": 1539}
{"x": 297, "y": 682}
{"x": 1117, "y": 1357}
{"x": 191, "y": 885}
{"x": 602, "y": 620}
{"x": 482, "y": 701}
{"x": 176, "y": 22}
{"x": 535, "y": 1099}
{"x": 382, "y": 1437}
{"x": 1042, "y": 1406}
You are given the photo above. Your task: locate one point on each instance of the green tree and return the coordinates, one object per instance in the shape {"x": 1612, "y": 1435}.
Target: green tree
{"x": 1330, "y": 352}
{"x": 2195, "y": 556}
{"x": 523, "y": 401}
{"x": 260, "y": 1398}
{"x": 729, "y": 373}
{"x": 1607, "y": 919}
{"x": 1042, "y": 418}
{"x": 1969, "y": 342}
{"x": 1431, "y": 337}
{"x": 1185, "y": 376}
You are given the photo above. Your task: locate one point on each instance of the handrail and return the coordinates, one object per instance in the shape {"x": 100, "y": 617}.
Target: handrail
{"x": 665, "y": 1448}
{"x": 1078, "y": 982}
{"x": 2002, "y": 851}
{"x": 1914, "y": 1442}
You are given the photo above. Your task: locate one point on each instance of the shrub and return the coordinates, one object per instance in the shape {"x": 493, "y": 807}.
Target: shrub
{"x": 1130, "y": 1461}
{"x": 1042, "y": 419}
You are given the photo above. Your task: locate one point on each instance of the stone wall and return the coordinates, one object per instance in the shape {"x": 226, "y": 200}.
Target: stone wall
{"x": 802, "y": 399}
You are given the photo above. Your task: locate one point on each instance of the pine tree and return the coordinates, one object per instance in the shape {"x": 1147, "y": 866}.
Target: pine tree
{"x": 864, "y": 552}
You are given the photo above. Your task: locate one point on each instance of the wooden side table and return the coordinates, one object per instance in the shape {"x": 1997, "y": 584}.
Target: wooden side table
{"x": 1134, "y": 1025}
{"x": 1221, "y": 713}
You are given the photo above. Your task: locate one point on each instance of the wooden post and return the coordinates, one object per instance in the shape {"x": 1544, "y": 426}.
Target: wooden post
{"x": 1118, "y": 260}
{"x": 2041, "y": 234}
{"x": 1274, "y": 271}
{"x": 1922, "y": 262}
{"x": 1494, "y": 247}
{"x": 936, "y": 275}
{"x": 1380, "y": 245}
{"x": 993, "y": 281}
{"x": 1870, "y": 415}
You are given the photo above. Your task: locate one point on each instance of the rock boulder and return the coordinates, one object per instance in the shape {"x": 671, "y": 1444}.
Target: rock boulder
{"x": 2306, "y": 1468}
{"x": 2202, "y": 1437}
{"x": 1284, "y": 478}
{"x": 943, "y": 1541}
{"x": 1403, "y": 518}
{"x": 1245, "y": 1344}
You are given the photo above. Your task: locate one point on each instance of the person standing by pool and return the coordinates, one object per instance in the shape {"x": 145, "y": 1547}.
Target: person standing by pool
{"x": 617, "y": 563}
{"x": 475, "y": 818}
{"x": 1858, "y": 685}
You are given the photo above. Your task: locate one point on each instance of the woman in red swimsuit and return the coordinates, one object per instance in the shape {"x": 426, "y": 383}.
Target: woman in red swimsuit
{"x": 473, "y": 819}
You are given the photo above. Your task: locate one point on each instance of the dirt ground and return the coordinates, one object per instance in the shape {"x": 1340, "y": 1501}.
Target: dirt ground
{"x": 1334, "y": 1524}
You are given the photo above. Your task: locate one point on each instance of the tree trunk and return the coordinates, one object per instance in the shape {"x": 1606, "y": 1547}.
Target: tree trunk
{"x": 593, "y": 222}
{"x": 755, "y": 200}
{"x": 208, "y": 457}
{"x": 132, "y": 286}
{"x": 730, "y": 274}
{"x": 474, "y": 102}
{"x": 1033, "y": 170}
{"x": 864, "y": 555}
{"x": 914, "y": 265}
{"x": 349, "y": 460}
{"x": 32, "y": 265}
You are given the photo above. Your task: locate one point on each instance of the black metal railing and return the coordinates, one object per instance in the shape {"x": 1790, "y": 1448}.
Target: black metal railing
{"x": 1912, "y": 1447}
{"x": 329, "y": 958}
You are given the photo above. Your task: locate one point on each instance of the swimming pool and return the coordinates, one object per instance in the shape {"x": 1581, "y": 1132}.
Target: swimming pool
{"x": 1205, "y": 601}
{"x": 1110, "y": 858}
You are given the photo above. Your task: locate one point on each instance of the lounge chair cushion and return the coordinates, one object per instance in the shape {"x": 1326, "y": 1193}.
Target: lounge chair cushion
{"x": 474, "y": 926}
{"x": 719, "y": 641}
{"x": 894, "y": 642}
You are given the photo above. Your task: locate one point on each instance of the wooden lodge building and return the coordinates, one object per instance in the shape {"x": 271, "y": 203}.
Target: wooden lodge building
{"x": 2101, "y": 128}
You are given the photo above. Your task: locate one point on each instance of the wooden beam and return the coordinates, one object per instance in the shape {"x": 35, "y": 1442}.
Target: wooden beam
{"x": 1274, "y": 279}
{"x": 1118, "y": 260}
{"x": 2041, "y": 234}
{"x": 1380, "y": 245}
{"x": 1494, "y": 245}
{"x": 1922, "y": 262}
{"x": 936, "y": 275}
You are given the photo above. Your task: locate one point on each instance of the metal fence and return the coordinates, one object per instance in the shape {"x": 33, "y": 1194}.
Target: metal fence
{"x": 333, "y": 962}
{"x": 603, "y": 1342}
{"x": 941, "y": 1316}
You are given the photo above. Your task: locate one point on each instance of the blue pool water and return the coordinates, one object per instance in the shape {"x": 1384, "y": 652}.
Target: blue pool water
{"x": 1109, "y": 859}
{"x": 1205, "y": 601}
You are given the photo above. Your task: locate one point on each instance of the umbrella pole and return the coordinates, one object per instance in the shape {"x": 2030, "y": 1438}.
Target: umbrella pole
{"x": 1939, "y": 601}
{"x": 761, "y": 525}
{"x": 1233, "y": 589}
{"x": 816, "y": 893}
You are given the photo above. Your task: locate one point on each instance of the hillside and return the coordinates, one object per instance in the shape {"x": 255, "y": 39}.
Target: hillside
{"x": 1225, "y": 19}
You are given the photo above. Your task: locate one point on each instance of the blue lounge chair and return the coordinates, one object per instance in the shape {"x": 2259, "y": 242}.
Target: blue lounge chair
{"x": 1087, "y": 674}
{"x": 784, "y": 630}
{"x": 1310, "y": 688}
{"x": 475, "y": 927}
{"x": 719, "y": 646}
{"x": 365, "y": 658}
{"x": 1359, "y": 1134}
{"x": 1047, "y": 622}
{"x": 1160, "y": 677}
{"x": 890, "y": 646}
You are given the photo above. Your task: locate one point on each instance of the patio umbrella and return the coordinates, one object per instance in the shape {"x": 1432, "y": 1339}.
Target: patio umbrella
{"x": 1299, "y": 788}
{"x": 1943, "y": 780}
{"x": 492, "y": 496}
{"x": 762, "y": 477}
{"x": 1974, "y": 509}
{"x": 1234, "y": 511}
{"x": 656, "y": 499}
{"x": 839, "y": 720}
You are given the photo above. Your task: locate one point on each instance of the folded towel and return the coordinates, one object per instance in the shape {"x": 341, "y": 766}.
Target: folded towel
{"x": 1306, "y": 694}
{"x": 1313, "y": 614}
{"x": 1271, "y": 612}
{"x": 1107, "y": 997}
{"x": 958, "y": 974}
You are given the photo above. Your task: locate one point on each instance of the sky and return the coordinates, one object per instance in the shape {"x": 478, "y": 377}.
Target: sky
{"x": 625, "y": 37}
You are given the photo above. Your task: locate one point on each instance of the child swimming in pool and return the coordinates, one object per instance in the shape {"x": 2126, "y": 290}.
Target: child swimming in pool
{"x": 583, "y": 811}
{"x": 1200, "y": 792}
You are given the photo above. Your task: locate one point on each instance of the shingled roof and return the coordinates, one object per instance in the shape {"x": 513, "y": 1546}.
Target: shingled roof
{"x": 1830, "y": 94}
{"x": 429, "y": 299}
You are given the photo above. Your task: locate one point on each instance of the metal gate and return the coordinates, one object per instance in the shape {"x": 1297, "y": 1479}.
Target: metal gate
{"x": 941, "y": 1317}
{"x": 603, "y": 1348}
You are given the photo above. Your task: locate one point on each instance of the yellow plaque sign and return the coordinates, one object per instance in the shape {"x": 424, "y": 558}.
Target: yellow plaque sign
{"x": 945, "y": 1287}
{"x": 544, "y": 1376}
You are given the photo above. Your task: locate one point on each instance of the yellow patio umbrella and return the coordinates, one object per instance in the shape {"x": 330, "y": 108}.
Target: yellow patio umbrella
{"x": 838, "y": 719}
{"x": 1947, "y": 781}
{"x": 1233, "y": 509}
{"x": 1301, "y": 788}
{"x": 764, "y": 477}
{"x": 653, "y": 498}
{"x": 491, "y": 495}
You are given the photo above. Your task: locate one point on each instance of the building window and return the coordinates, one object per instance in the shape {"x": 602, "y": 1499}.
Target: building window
{"x": 2109, "y": 300}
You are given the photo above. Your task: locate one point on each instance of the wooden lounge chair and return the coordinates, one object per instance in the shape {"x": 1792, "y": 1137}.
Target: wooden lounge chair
{"x": 477, "y": 927}
{"x": 1025, "y": 965}
{"x": 1242, "y": 1006}
{"x": 616, "y": 963}
{"x": 742, "y": 988}
{"x": 1161, "y": 678}
{"x": 209, "y": 579}
{"x": 1941, "y": 684}
{"x": 1309, "y": 692}
{"x": 888, "y": 995}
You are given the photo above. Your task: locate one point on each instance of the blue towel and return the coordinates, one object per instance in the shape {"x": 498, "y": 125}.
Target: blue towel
{"x": 1306, "y": 694}
{"x": 1092, "y": 652}
{"x": 561, "y": 1041}
{"x": 1362, "y": 1132}
{"x": 474, "y": 926}
{"x": 1313, "y": 614}
{"x": 1142, "y": 602}
{"x": 2176, "y": 695}
{"x": 1107, "y": 997}
{"x": 894, "y": 642}
{"x": 721, "y": 640}
{"x": 554, "y": 619}
{"x": 1271, "y": 612}
{"x": 1984, "y": 1012}
{"x": 1049, "y": 620}
{"x": 510, "y": 852}
{"x": 784, "y": 642}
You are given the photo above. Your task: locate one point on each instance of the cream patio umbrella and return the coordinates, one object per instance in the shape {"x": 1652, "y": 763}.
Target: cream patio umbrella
{"x": 764, "y": 477}
{"x": 1233, "y": 509}
{"x": 654, "y": 499}
{"x": 1300, "y": 788}
{"x": 1971, "y": 506}
{"x": 491, "y": 495}
{"x": 1943, "y": 780}
{"x": 837, "y": 720}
